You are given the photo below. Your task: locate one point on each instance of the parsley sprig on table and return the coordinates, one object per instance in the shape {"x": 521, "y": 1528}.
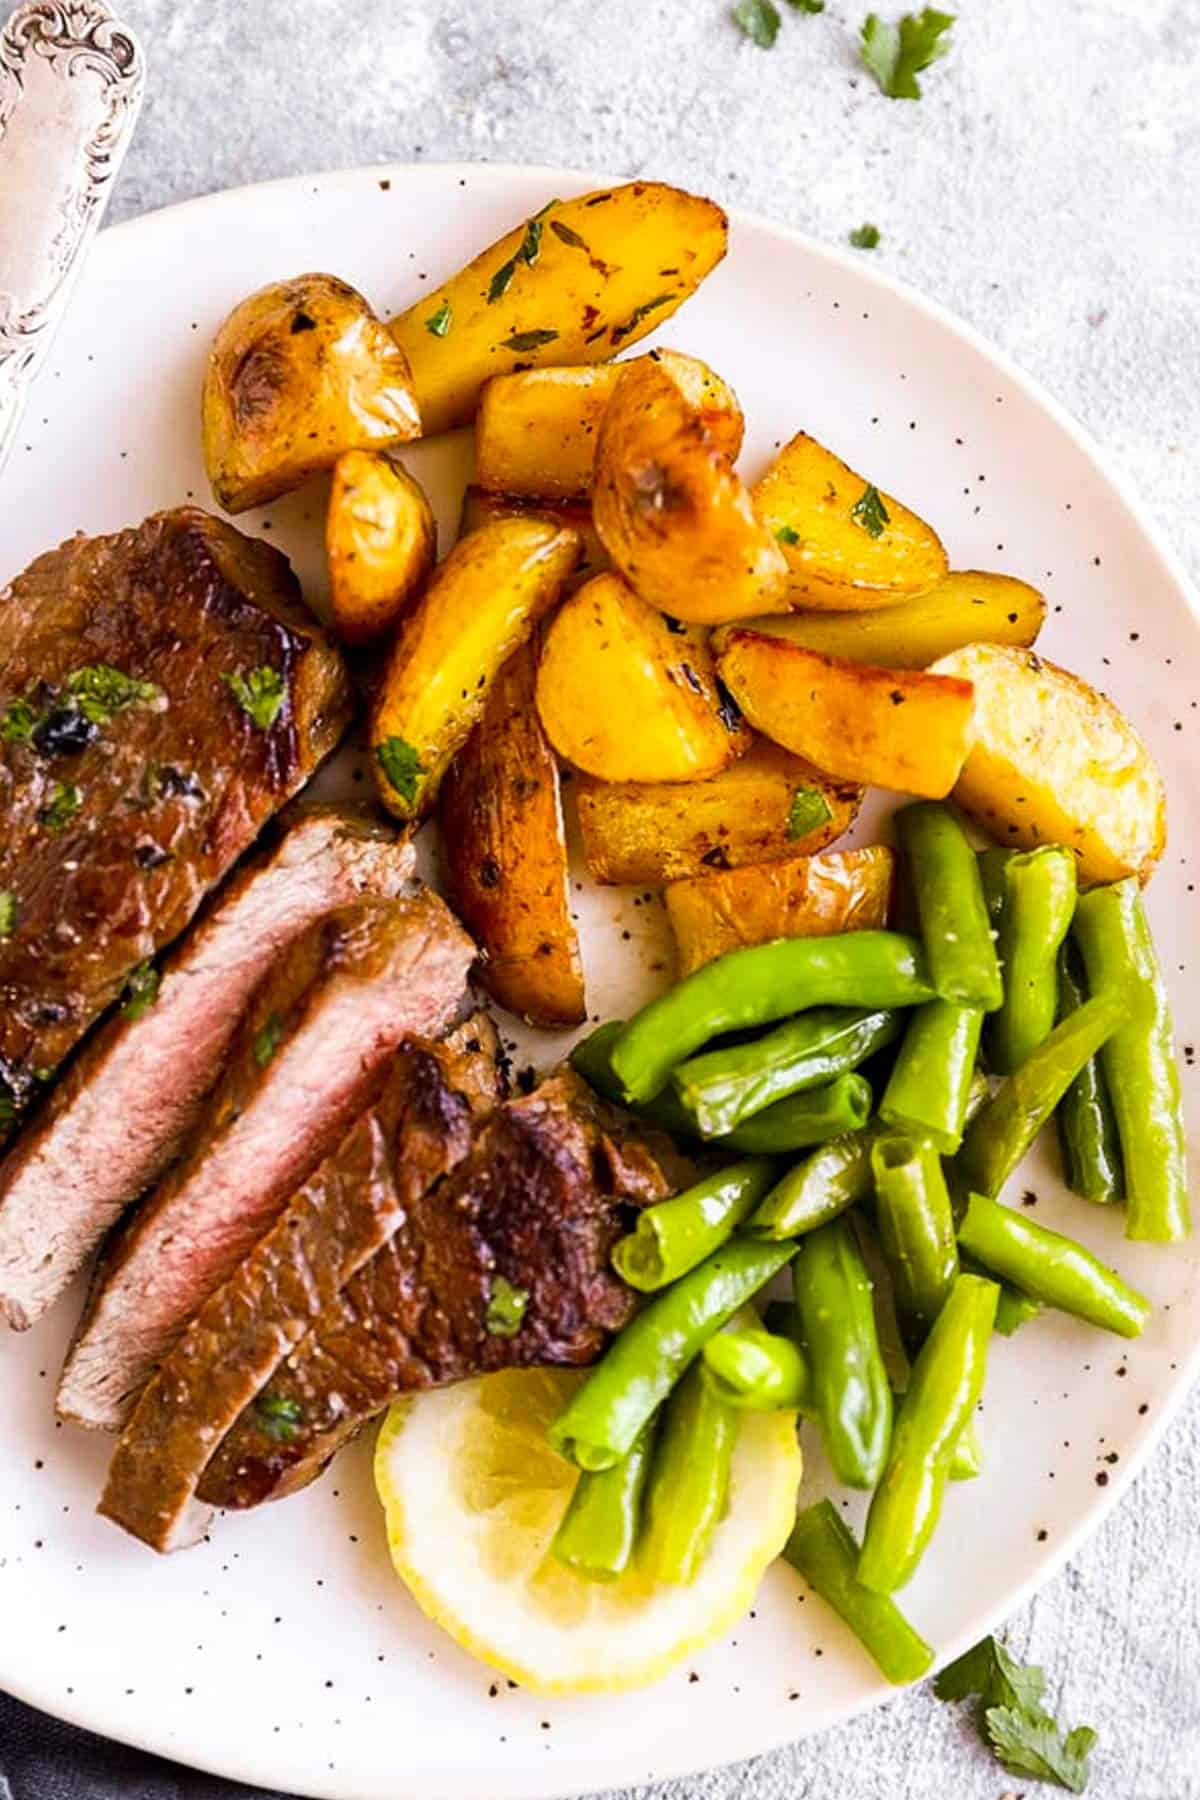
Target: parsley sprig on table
{"x": 1012, "y": 1720}
{"x": 895, "y": 53}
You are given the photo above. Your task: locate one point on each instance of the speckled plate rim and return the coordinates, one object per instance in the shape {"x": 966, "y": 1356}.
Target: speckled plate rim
{"x": 628, "y": 1765}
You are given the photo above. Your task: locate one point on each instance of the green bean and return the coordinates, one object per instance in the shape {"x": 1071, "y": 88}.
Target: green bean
{"x": 823, "y": 1550}
{"x": 598, "y": 1531}
{"x": 762, "y": 983}
{"x": 931, "y": 1081}
{"x": 757, "y": 1372}
{"x": 849, "y": 1385}
{"x": 943, "y": 1392}
{"x": 966, "y": 1458}
{"x": 723, "y": 1087}
{"x": 1014, "y": 1308}
{"x": 1138, "y": 1060}
{"x": 992, "y": 864}
{"x": 1002, "y": 1130}
{"x": 819, "y": 1188}
{"x": 955, "y": 928}
{"x": 916, "y": 1231}
{"x": 672, "y": 1236}
{"x": 1087, "y": 1127}
{"x": 1050, "y": 1268}
{"x": 645, "y": 1360}
{"x": 822, "y": 1113}
{"x": 1038, "y": 901}
{"x": 689, "y": 1479}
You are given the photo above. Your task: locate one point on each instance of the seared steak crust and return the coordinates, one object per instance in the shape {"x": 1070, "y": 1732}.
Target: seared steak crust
{"x": 128, "y": 1100}
{"x": 131, "y": 777}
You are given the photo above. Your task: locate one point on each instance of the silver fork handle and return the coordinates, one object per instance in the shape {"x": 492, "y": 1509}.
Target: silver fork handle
{"x": 71, "y": 78}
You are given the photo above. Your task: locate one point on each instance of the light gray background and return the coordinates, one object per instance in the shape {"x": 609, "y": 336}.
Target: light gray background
{"x": 1047, "y": 188}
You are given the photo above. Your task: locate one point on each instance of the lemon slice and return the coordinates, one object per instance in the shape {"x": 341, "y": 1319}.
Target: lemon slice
{"x": 473, "y": 1493}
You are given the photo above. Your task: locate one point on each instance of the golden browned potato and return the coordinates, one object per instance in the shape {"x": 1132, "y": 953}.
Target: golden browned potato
{"x": 806, "y": 896}
{"x": 380, "y": 541}
{"x": 896, "y": 728}
{"x": 671, "y": 511}
{"x": 628, "y": 695}
{"x": 576, "y": 283}
{"x": 966, "y": 607}
{"x": 847, "y": 545}
{"x": 478, "y": 508}
{"x": 1053, "y": 761}
{"x": 300, "y": 372}
{"x": 535, "y": 431}
{"x": 480, "y": 607}
{"x": 766, "y": 806}
{"x": 504, "y": 853}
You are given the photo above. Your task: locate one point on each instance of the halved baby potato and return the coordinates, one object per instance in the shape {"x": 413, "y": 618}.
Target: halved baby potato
{"x": 806, "y": 896}
{"x": 847, "y": 545}
{"x": 1054, "y": 761}
{"x": 535, "y": 431}
{"x": 895, "y": 728}
{"x": 966, "y": 607}
{"x": 670, "y": 509}
{"x": 628, "y": 695}
{"x": 504, "y": 853}
{"x": 480, "y": 606}
{"x": 766, "y": 806}
{"x": 300, "y": 372}
{"x": 478, "y": 507}
{"x": 380, "y": 541}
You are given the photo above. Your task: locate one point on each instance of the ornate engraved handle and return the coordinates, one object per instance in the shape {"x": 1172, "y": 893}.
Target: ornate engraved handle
{"x": 71, "y": 80}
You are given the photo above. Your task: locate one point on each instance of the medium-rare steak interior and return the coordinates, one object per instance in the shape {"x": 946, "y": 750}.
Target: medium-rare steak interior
{"x": 310, "y": 1054}
{"x": 162, "y": 692}
{"x": 129, "y": 1098}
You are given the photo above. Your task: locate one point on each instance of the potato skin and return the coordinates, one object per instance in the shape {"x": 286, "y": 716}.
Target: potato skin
{"x": 298, "y": 373}
{"x": 504, "y": 855}
{"x": 967, "y": 606}
{"x": 806, "y": 896}
{"x": 628, "y": 696}
{"x": 536, "y": 430}
{"x": 655, "y": 832}
{"x": 833, "y": 561}
{"x": 598, "y": 272}
{"x": 478, "y": 507}
{"x": 1054, "y": 761}
{"x": 380, "y": 541}
{"x": 478, "y": 609}
{"x": 905, "y": 729}
{"x": 672, "y": 513}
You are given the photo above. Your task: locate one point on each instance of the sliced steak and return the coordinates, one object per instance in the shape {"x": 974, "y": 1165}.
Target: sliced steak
{"x": 131, "y": 774}
{"x": 311, "y": 1053}
{"x": 536, "y": 1206}
{"x": 128, "y": 1100}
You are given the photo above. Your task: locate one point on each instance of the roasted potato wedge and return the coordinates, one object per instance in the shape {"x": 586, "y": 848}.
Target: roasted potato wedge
{"x": 766, "y": 806}
{"x": 628, "y": 695}
{"x": 380, "y": 542}
{"x": 1053, "y": 761}
{"x": 896, "y": 728}
{"x": 478, "y": 508}
{"x": 966, "y": 607}
{"x": 579, "y": 281}
{"x": 535, "y": 431}
{"x": 300, "y": 372}
{"x": 847, "y": 545}
{"x": 478, "y": 609}
{"x": 806, "y": 896}
{"x": 672, "y": 513}
{"x": 504, "y": 854}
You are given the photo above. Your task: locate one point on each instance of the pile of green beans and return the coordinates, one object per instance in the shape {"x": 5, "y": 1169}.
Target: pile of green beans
{"x": 853, "y": 1172}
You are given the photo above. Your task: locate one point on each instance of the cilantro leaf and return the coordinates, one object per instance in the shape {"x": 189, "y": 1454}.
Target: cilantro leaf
{"x": 17, "y": 722}
{"x": 101, "y": 691}
{"x": 402, "y": 766}
{"x": 1031, "y": 1744}
{"x": 988, "y": 1670}
{"x": 64, "y": 802}
{"x": 438, "y": 323}
{"x": 267, "y": 1039}
{"x": 141, "y": 990}
{"x": 278, "y": 1416}
{"x": 870, "y": 512}
{"x": 758, "y": 20}
{"x": 8, "y": 914}
{"x": 505, "y": 1308}
{"x": 787, "y": 534}
{"x": 896, "y": 54}
{"x": 260, "y": 694}
{"x": 809, "y": 809}
{"x": 528, "y": 340}
{"x": 865, "y": 237}
{"x": 807, "y": 6}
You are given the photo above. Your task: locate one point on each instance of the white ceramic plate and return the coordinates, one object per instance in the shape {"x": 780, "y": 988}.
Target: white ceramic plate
{"x": 282, "y": 1651}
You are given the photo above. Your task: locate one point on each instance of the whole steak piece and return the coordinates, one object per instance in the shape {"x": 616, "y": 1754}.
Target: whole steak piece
{"x": 124, "y": 1108}
{"x": 312, "y": 1052}
{"x": 162, "y": 693}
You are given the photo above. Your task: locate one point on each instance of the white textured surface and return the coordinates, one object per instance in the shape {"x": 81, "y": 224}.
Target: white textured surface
{"x": 1048, "y": 189}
